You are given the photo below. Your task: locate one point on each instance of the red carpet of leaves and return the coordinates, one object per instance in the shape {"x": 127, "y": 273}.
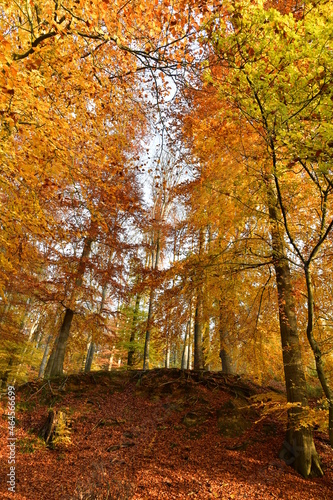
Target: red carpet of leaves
{"x": 150, "y": 437}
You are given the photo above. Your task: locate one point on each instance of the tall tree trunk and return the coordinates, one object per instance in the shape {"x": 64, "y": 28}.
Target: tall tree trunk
{"x": 131, "y": 350}
{"x": 206, "y": 345}
{"x": 148, "y": 330}
{"x": 55, "y": 364}
{"x": 45, "y": 355}
{"x": 224, "y": 356}
{"x": 317, "y": 353}
{"x": 150, "y": 309}
{"x": 54, "y": 367}
{"x": 27, "y": 343}
{"x": 92, "y": 346}
{"x": 90, "y": 356}
{"x": 298, "y": 449}
{"x": 189, "y": 353}
{"x": 167, "y": 356}
{"x": 225, "y": 362}
{"x": 198, "y": 316}
{"x": 111, "y": 359}
{"x": 198, "y": 354}
{"x": 185, "y": 348}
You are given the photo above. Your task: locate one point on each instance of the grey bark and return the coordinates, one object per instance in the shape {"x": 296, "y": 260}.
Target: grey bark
{"x": 45, "y": 355}
{"x": 55, "y": 364}
{"x": 223, "y": 333}
{"x": 150, "y": 310}
{"x": 131, "y": 350}
{"x": 198, "y": 354}
{"x": 317, "y": 353}
{"x": 298, "y": 449}
{"x": 185, "y": 348}
{"x": 90, "y": 356}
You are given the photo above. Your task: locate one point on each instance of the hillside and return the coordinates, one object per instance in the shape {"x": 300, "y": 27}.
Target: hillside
{"x": 163, "y": 434}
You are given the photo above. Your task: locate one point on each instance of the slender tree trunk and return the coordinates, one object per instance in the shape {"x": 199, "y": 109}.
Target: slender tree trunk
{"x": 198, "y": 354}
{"x": 298, "y": 449}
{"x": 111, "y": 359}
{"x": 92, "y": 346}
{"x": 26, "y": 347}
{"x": 55, "y": 364}
{"x": 131, "y": 350}
{"x": 206, "y": 345}
{"x": 148, "y": 330}
{"x": 150, "y": 310}
{"x": 189, "y": 347}
{"x": 317, "y": 353}
{"x": 90, "y": 356}
{"x": 224, "y": 356}
{"x": 198, "y": 316}
{"x": 185, "y": 348}
{"x": 167, "y": 356}
{"x": 45, "y": 355}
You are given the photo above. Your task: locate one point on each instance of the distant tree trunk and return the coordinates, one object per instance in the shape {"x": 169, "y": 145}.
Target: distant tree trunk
{"x": 111, "y": 359}
{"x": 27, "y": 344}
{"x": 206, "y": 345}
{"x": 198, "y": 316}
{"x": 38, "y": 339}
{"x": 298, "y": 449}
{"x": 92, "y": 346}
{"x": 167, "y": 356}
{"x": 185, "y": 348}
{"x": 224, "y": 356}
{"x": 150, "y": 309}
{"x": 45, "y": 355}
{"x": 131, "y": 350}
{"x": 189, "y": 358}
{"x": 90, "y": 356}
{"x": 198, "y": 354}
{"x": 148, "y": 330}
{"x": 54, "y": 367}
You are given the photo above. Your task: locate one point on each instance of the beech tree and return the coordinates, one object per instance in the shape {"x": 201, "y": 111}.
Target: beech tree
{"x": 264, "y": 83}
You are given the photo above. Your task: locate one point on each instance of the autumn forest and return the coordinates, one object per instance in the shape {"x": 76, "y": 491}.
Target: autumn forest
{"x": 166, "y": 202}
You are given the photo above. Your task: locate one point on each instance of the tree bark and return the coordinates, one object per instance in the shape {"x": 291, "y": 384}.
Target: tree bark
{"x": 90, "y": 356}
{"x": 148, "y": 330}
{"x": 198, "y": 354}
{"x": 111, "y": 359}
{"x": 131, "y": 350}
{"x": 185, "y": 348}
{"x": 317, "y": 352}
{"x": 45, "y": 355}
{"x": 54, "y": 367}
{"x": 167, "y": 357}
{"x": 55, "y": 364}
{"x": 223, "y": 332}
{"x": 150, "y": 310}
{"x": 298, "y": 449}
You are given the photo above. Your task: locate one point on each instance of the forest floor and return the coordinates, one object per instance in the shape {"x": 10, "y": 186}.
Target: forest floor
{"x": 163, "y": 434}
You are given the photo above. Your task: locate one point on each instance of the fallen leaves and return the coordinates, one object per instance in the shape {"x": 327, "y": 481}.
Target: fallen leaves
{"x": 135, "y": 443}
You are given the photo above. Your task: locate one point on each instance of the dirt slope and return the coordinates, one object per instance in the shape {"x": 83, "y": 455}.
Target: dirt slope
{"x": 159, "y": 435}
